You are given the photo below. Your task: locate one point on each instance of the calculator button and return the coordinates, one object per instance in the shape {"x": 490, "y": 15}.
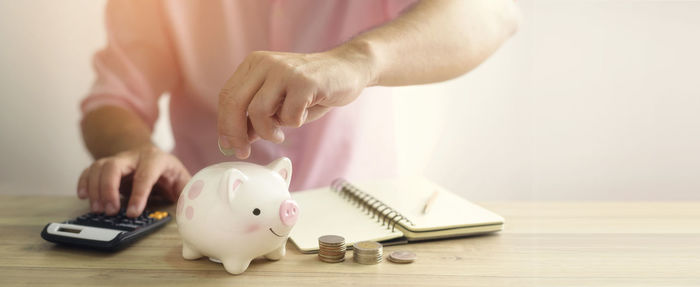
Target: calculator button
{"x": 158, "y": 215}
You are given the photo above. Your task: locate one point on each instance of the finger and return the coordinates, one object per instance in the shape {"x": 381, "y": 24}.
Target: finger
{"x": 293, "y": 112}
{"x": 252, "y": 136}
{"x": 112, "y": 172}
{"x": 316, "y": 112}
{"x": 94, "y": 186}
{"x": 233, "y": 105}
{"x": 82, "y": 184}
{"x": 149, "y": 169}
{"x": 180, "y": 183}
{"x": 179, "y": 179}
{"x": 263, "y": 108}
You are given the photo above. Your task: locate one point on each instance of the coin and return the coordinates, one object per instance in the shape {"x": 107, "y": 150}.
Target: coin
{"x": 367, "y": 252}
{"x": 331, "y": 260}
{"x": 367, "y": 260}
{"x": 402, "y": 256}
{"x": 331, "y": 240}
{"x": 367, "y": 246}
{"x": 331, "y": 248}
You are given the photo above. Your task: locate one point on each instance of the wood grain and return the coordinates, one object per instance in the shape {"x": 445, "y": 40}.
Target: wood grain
{"x": 544, "y": 244}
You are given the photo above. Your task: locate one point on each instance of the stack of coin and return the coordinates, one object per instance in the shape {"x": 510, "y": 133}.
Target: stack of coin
{"x": 367, "y": 252}
{"x": 331, "y": 248}
{"x": 402, "y": 257}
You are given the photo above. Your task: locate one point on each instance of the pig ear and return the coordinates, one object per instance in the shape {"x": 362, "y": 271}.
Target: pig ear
{"x": 283, "y": 166}
{"x": 230, "y": 184}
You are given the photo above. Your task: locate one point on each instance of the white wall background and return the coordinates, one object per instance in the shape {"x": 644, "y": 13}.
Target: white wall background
{"x": 591, "y": 100}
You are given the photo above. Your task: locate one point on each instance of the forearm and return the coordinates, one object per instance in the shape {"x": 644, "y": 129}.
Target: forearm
{"x": 435, "y": 41}
{"x": 109, "y": 130}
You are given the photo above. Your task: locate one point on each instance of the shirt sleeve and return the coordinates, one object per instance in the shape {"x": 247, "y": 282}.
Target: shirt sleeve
{"x": 393, "y": 8}
{"x": 138, "y": 65}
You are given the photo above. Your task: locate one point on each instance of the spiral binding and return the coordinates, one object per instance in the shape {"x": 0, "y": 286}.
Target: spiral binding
{"x": 369, "y": 204}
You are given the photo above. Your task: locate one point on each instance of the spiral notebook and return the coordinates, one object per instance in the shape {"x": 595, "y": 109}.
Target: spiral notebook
{"x": 388, "y": 211}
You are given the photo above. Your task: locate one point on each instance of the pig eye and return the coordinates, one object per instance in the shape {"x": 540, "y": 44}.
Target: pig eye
{"x": 256, "y": 211}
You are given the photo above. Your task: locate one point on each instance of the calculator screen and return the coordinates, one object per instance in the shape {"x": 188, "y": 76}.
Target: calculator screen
{"x": 71, "y": 230}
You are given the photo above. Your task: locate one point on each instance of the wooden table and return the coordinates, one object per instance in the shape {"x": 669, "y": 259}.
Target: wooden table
{"x": 544, "y": 244}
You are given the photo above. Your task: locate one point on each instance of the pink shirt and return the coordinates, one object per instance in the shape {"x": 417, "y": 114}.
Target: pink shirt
{"x": 189, "y": 48}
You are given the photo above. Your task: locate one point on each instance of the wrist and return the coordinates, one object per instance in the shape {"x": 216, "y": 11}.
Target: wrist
{"x": 110, "y": 130}
{"x": 363, "y": 56}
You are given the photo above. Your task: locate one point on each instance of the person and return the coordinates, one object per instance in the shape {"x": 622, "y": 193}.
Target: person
{"x": 262, "y": 79}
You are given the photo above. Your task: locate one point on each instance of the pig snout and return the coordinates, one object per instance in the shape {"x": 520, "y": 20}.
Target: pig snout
{"x": 289, "y": 212}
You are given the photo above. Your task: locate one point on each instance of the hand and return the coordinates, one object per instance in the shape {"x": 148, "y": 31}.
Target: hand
{"x": 149, "y": 166}
{"x": 269, "y": 90}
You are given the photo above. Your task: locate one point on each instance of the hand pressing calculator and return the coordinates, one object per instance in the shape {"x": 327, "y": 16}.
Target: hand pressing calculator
{"x": 100, "y": 231}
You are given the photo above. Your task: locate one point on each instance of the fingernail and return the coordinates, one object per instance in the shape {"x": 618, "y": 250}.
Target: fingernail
{"x": 279, "y": 134}
{"x": 241, "y": 154}
{"x": 110, "y": 208}
{"x": 132, "y": 211}
{"x": 95, "y": 206}
{"x": 225, "y": 146}
{"x": 82, "y": 192}
{"x": 225, "y": 142}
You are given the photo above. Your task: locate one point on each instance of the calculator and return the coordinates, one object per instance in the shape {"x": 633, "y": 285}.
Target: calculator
{"x": 104, "y": 232}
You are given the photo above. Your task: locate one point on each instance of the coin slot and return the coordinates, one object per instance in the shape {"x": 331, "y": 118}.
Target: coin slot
{"x": 69, "y": 230}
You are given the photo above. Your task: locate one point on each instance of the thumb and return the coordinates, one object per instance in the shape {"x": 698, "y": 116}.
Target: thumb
{"x": 181, "y": 181}
{"x": 316, "y": 112}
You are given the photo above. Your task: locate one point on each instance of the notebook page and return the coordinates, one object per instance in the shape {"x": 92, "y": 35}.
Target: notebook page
{"x": 409, "y": 195}
{"x": 322, "y": 211}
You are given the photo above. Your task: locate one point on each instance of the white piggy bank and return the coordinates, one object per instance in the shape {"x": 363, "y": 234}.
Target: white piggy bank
{"x": 233, "y": 212}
